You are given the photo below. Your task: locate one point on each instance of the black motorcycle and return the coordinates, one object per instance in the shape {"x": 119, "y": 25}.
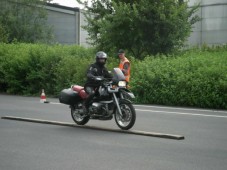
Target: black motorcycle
{"x": 113, "y": 99}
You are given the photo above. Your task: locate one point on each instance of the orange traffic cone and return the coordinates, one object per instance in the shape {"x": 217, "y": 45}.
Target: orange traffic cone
{"x": 43, "y": 97}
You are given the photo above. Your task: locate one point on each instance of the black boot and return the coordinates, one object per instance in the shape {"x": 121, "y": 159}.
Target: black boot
{"x": 85, "y": 108}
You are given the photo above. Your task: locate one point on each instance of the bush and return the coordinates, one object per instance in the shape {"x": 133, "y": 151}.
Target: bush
{"x": 28, "y": 68}
{"x": 195, "y": 78}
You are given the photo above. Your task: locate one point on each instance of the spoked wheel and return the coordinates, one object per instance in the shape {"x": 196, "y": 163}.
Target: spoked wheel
{"x": 79, "y": 118}
{"x": 128, "y": 118}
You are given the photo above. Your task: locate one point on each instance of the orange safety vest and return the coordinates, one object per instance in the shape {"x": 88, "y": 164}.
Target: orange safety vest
{"x": 121, "y": 66}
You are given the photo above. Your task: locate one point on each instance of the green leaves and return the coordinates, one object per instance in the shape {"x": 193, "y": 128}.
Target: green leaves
{"x": 196, "y": 78}
{"x": 28, "y": 68}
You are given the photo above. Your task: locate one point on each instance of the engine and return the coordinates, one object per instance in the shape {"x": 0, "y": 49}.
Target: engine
{"x": 102, "y": 108}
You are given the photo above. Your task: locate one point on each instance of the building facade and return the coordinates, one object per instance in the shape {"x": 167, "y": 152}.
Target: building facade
{"x": 66, "y": 23}
{"x": 212, "y": 29}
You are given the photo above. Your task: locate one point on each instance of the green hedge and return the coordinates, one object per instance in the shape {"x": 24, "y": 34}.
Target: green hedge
{"x": 27, "y": 68}
{"x": 195, "y": 78}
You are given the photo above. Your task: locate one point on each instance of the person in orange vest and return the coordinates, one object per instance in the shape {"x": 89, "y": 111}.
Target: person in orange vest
{"x": 124, "y": 65}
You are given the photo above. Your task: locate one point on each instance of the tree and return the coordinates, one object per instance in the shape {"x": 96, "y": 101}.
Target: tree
{"x": 24, "y": 21}
{"x": 145, "y": 27}
{"x": 3, "y": 34}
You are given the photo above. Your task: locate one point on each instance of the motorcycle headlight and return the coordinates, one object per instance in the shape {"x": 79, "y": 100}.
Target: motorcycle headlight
{"x": 122, "y": 83}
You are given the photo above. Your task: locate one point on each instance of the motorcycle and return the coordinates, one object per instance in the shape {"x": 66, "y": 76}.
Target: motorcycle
{"x": 113, "y": 99}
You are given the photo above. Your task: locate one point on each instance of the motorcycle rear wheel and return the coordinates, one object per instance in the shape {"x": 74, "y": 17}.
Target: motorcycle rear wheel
{"x": 128, "y": 119}
{"x": 80, "y": 119}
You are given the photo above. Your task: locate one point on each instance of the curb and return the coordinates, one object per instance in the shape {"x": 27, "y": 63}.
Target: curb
{"x": 134, "y": 132}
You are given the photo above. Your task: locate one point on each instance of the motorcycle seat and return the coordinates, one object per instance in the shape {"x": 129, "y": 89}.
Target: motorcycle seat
{"x": 80, "y": 90}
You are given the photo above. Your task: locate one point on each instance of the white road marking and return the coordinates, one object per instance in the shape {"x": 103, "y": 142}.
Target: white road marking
{"x": 54, "y": 103}
{"x": 177, "y": 108}
{"x": 179, "y": 113}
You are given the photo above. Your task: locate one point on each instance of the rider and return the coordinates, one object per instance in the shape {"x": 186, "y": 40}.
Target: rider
{"x": 96, "y": 72}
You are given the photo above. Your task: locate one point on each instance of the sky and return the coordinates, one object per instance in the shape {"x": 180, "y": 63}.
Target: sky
{"x": 69, "y": 3}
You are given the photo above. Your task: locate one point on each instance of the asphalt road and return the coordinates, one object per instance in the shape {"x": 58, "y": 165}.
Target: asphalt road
{"x": 34, "y": 146}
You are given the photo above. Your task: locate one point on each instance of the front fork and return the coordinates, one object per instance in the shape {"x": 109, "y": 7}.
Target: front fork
{"x": 117, "y": 103}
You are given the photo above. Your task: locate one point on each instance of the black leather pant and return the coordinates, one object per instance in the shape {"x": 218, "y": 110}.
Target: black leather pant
{"x": 91, "y": 94}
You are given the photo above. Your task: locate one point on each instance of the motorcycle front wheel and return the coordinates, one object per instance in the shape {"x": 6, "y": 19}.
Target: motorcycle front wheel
{"x": 128, "y": 118}
{"x": 79, "y": 118}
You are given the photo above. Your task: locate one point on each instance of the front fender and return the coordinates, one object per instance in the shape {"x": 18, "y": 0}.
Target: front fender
{"x": 128, "y": 93}
{"x": 125, "y": 101}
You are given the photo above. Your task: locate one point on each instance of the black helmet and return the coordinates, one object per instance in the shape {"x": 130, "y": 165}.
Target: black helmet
{"x": 100, "y": 56}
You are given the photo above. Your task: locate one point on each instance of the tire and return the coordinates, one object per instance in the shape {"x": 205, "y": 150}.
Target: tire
{"x": 79, "y": 119}
{"x": 129, "y": 115}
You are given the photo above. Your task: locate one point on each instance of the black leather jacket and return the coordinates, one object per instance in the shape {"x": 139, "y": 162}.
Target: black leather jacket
{"x": 96, "y": 70}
